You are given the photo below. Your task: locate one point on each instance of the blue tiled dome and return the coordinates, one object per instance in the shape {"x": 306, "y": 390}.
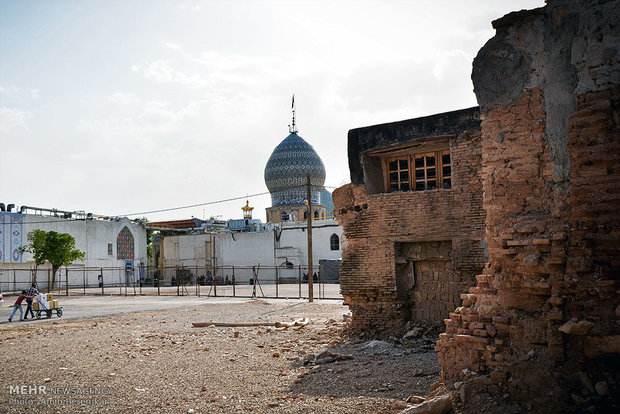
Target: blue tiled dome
{"x": 327, "y": 201}
{"x": 286, "y": 170}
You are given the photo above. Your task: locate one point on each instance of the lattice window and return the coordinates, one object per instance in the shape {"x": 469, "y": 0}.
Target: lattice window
{"x": 426, "y": 171}
{"x": 398, "y": 174}
{"x": 419, "y": 172}
{"x": 125, "y": 245}
{"x": 446, "y": 169}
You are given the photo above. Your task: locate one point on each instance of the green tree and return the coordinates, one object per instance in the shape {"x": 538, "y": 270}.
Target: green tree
{"x": 149, "y": 239}
{"x": 56, "y": 248}
{"x": 36, "y": 246}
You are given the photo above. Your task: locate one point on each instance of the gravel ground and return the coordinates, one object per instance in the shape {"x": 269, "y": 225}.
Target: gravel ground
{"x": 156, "y": 362}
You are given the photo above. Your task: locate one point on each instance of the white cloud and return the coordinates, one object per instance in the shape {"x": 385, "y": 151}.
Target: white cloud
{"x": 13, "y": 91}
{"x": 173, "y": 46}
{"x": 8, "y": 90}
{"x": 451, "y": 61}
{"x": 190, "y": 7}
{"x": 162, "y": 71}
{"x": 209, "y": 93}
{"x": 13, "y": 118}
{"x": 123, "y": 98}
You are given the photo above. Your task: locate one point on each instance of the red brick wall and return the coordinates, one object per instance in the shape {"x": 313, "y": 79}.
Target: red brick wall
{"x": 373, "y": 224}
{"x": 543, "y": 314}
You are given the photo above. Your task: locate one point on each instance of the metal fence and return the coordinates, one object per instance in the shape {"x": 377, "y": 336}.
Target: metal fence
{"x": 219, "y": 281}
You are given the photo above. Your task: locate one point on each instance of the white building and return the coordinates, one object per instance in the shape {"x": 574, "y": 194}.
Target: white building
{"x": 108, "y": 242}
{"x": 283, "y": 246}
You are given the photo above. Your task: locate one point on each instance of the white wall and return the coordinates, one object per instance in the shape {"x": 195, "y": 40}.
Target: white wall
{"x": 91, "y": 237}
{"x": 187, "y": 250}
{"x": 231, "y": 249}
{"x": 246, "y": 249}
{"x": 294, "y": 236}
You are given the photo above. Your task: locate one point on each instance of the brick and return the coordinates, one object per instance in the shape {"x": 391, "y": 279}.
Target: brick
{"x": 549, "y": 213}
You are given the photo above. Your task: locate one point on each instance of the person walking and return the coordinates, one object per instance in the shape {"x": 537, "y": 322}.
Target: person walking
{"x": 18, "y": 305}
{"x": 30, "y": 295}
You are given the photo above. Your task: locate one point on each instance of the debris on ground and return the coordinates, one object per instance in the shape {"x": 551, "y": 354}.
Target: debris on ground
{"x": 437, "y": 405}
{"x": 261, "y": 369}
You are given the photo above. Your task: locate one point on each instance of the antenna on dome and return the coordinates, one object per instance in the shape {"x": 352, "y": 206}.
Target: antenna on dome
{"x": 293, "y": 128}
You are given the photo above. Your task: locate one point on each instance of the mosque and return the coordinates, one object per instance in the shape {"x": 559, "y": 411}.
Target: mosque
{"x": 280, "y": 243}
{"x": 290, "y": 165}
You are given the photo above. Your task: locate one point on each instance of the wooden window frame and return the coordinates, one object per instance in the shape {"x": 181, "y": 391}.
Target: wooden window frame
{"x": 395, "y": 181}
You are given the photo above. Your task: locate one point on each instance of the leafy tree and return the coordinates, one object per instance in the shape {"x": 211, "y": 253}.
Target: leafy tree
{"x": 36, "y": 246}
{"x": 149, "y": 240}
{"x": 56, "y": 248}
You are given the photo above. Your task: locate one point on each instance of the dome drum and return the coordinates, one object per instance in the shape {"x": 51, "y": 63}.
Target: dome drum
{"x": 294, "y": 196}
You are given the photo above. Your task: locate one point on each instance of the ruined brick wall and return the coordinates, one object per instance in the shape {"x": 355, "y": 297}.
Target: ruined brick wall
{"x": 381, "y": 228}
{"x": 543, "y": 314}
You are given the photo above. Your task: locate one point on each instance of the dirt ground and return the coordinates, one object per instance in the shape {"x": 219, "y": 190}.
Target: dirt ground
{"x": 156, "y": 361}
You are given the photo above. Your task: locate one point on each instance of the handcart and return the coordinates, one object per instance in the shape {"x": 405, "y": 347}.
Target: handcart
{"x": 47, "y": 310}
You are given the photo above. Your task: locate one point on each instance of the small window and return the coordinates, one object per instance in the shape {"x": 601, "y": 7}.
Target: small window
{"x": 110, "y": 249}
{"x": 398, "y": 174}
{"x": 446, "y": 169}
{"x": 419, "y": 172}
{"x": 334, "y": 242}
{"x": 306, "y": 215}
{"x": 284, "y": 216}
{"x": 316, "y": 214}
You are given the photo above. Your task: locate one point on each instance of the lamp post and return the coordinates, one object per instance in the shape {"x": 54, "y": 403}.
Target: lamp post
{"x": 309, "y": 218}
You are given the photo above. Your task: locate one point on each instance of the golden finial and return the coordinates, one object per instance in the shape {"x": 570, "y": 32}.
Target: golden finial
{"x": 247, "y": 210}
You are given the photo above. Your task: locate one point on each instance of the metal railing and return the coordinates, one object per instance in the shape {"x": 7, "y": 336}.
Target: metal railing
{"x": 218, "y": 281}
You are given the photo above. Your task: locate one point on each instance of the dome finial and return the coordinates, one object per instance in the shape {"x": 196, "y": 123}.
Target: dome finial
{"x": 293, "y": 128}
{"x": 247, "y": 210}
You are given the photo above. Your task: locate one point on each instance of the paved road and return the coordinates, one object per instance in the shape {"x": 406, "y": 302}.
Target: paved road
{"x": 84, "y": 307}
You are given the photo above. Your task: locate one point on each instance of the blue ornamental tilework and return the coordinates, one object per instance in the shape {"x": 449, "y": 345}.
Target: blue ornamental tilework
{"x": 11, "y": 237}
{"x": 296, "y": 196}
{"x": 286, "y": 170}
{"x": 327, "y": 201}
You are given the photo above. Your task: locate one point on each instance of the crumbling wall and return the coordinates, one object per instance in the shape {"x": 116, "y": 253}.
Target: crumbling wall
{"x": 543, "y": 315}
{"x": 378, "y": 227}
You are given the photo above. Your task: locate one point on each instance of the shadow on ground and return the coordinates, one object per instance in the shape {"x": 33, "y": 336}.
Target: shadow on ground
{"x": 377, "y": 369}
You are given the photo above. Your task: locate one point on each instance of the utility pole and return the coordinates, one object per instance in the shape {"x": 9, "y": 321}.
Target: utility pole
{"x": 310, "y": 273}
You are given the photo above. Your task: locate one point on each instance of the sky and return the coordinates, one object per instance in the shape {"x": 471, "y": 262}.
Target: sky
{"x": 127, "y": 107}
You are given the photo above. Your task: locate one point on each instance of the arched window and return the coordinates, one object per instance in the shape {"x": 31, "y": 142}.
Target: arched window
{"x": 287, "y": 265}
{"x": 334, "y": 242}
{"x": 124, "y": 245}
{"x": 316, "y": 214}
{"x": 306, "y": 215}
{"x": 284, "y": 216}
